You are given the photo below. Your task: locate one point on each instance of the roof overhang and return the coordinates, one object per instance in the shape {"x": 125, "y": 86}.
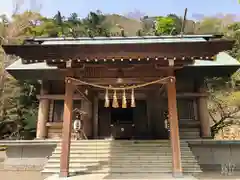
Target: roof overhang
{"x": 34, "y": 71}
{"x": 96, "y": 51}
{"x": 224, "y": 65}
{"x": 48, "y": 58}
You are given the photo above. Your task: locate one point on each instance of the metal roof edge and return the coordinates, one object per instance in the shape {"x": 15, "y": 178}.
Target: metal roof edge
{"x": 223, "y": 59}
{"x": 18, "y": 65}
{"x": 121, "y": 37}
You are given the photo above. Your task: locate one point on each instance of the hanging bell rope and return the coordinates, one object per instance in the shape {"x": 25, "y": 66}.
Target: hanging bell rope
{"x": 124, "y": 100}
{"x": 133, "y": 103}
{"x": 106, "y": 99}
{"x": 114, "y": 89}
{"x": 163, "y": 80}
{"x": 115, "y": 100}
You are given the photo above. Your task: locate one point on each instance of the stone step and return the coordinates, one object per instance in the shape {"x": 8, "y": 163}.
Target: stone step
{"x": 137, "y": 155}
{"x": 156, "y": 147}
{"x": 100, "y": 159}
{"x": 119, "y": 171}
{"x": 162, "y": 149}
{"x": 57, "y": 170}
{"x": 189, "y": 137}
{"x": 189, "y": 129}
{"x": 122, "y": 145}
{"x": 120, "y": 153}
{"x": 184, "y": 156}
{"x": 122, "y": 167}
{"x": 141, "y": 170}
{"x": 196, "y": 134}
{"x": 72, "y": 165}
{"x": 123, "y": 161}
{"x": 124, "y": 142}
{"x": 127, "y": 141}
{"x": 120, "y": 150}
{"x": 75, "y": 160}
{"x": 134, "y": 156}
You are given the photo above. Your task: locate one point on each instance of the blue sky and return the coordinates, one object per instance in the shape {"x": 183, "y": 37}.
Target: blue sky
{"x": 149, "y": 7}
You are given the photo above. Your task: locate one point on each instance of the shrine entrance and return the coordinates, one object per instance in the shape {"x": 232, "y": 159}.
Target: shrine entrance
{"x": 123, "y": 123}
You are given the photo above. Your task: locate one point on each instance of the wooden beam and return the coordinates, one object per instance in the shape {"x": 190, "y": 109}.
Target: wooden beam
{"x": 66, "y": 131}
{"x": 174, "y": 127}
{"x": 189, "y": 95}
{"x": 58, "y": 96}
{"x": 162, "y": 64}
{"x": 85, "y": 92}
{"x": 112, "y": 81}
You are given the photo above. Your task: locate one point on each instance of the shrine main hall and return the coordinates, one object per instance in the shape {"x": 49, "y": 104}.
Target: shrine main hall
{"x": 126, "y": 88}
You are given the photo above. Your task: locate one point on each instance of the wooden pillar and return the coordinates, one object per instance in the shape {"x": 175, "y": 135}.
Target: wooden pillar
{"x": 87, "y": 121}
{"x": 43, "y": 111}
{"x": 174, "y": 128}
{"x": 149, "y": 108}
{"x": 67, "y": 128}
{"x": 203, "y": 113}
{"x": 95, "y": 116}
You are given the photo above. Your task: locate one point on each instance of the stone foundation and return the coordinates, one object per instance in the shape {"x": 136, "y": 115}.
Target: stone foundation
{"x": 213, "y": 155}
{"x": 32, "y": 155}
{"x": 27, "y": 155}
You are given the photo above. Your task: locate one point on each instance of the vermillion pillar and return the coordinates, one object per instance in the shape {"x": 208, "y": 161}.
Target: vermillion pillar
{"x": 174, "y": 128}
{"x": 67, "y": 127}
{"x": 43, "y": 111}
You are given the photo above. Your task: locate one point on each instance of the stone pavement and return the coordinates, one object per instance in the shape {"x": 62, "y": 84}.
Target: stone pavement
{"x": 119, "y": 177}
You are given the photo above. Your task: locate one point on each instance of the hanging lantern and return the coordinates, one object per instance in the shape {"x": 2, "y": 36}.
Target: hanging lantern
{"x": 106, "y": 99}
{"x": 124, "y": 100}
{"x": 133, "y": 104}
{"x": 115, "y": 101}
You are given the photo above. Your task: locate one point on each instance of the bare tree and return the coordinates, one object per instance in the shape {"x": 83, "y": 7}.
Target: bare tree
{"x": 223, "y": 105}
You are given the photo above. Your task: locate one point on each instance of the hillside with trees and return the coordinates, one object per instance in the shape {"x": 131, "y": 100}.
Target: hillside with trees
{"x": 18, "y": 103}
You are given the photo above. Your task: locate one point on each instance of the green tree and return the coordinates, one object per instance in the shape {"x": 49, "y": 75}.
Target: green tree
{"x": 13, "y": 109}
{"x": 233, "y": 32}
{"x": 95, "y": 24}
{"x": 165, "y": 26}
{"x": 148, "y": 25}
{"x": 177, "y": 23}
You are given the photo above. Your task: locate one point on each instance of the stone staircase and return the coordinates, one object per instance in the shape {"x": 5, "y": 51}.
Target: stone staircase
{"x": 189, "y": 129}
{"x": 189, "y": 133}
{"x": 122, "y": 156}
